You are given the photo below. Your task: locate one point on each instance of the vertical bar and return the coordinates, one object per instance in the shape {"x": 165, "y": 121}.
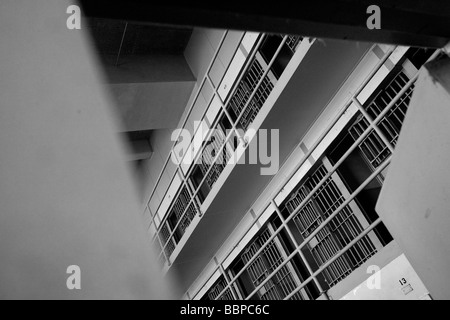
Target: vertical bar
{"x": 208, "y": 69}
{"x": 341, "y": 112}
{"x": 373, "y": 125}
{"x": 225, "y": 276}
{"x": 300, "y": 252}
{"x": 324, "y": 223}
{"x": 347, "y": 247}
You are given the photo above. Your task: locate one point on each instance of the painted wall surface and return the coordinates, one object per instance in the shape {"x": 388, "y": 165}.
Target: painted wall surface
{"x": 66, "y": 194}
{"x": 359, "y": 276}
{"x": 312, "y": 83}
{"x": 199, "y": 53}
{"x": 161, "y": 143}
{"x": 152, "y": 105}
{"x": 415, "y": 199}
{"x": 396, "y": 281}
{"x": 151, "y": 91}
{"x": 147, "y": 68}
{"x": 200, "y": 50}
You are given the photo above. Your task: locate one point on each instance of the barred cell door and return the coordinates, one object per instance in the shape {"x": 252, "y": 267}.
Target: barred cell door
{"x": 247, "y": 86}
{"x": 339, "y": 232}
{"x": 209, "y": 154}
{"x": 217, "y": 288}
{"x": 373, "y": 149}
{"x": 284, "y": 281}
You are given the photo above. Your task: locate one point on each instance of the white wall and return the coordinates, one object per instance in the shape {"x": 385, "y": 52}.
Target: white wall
{"x": 415, "y": 198}
{"x": 200, "y": 50}
{"x": 199, "y": 53}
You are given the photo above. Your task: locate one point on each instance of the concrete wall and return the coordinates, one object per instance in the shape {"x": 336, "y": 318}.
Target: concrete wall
{"x": 312, "y": 82}
{"x": 151, "y": 91}
{"x": 200, "y": 50}
{"x": 161, "y": 143}
{"x": 199, "y": 53}
{"x": 415, "y": 199}
{"x": 67, "y": 196}
{"x": 154, "y": 105}
{"x": 382, "y": 258}
{"x": 280, "y": 185}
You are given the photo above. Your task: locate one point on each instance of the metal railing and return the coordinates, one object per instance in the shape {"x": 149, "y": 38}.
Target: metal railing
{"x": 283, "y": 282}
{"x": 398, "y": 98}
{"x": 217, "y": 288}
{"x": 245, "y": 89}
{"x": 374, "y": 149}
{"x": 314, "y": 146}
{"x": 211, "y": 173}
{"x": 341, "y": 230}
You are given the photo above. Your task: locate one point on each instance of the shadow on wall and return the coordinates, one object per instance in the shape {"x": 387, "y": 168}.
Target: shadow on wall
{"x": 67, "y": 196}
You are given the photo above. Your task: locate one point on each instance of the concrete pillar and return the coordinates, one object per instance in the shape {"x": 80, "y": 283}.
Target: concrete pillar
{"x": 415, "y": 199}
{"x": 150, "y": 91}
{"x": 67, "y": 197}
{"x": 139, "y": 150}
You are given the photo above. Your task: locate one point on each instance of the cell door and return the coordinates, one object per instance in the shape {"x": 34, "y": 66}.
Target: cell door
{"x": 284, "y": 281}
{"x": 339, "y": 232}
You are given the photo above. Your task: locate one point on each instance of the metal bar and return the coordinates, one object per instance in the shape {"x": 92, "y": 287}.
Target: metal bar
{"x": 219, "y": 154}
{"x": 374, "y": 125}
{"x": 340, "y": 253}
{"x": 324, "y": 223}
{"x": 351, "y": 198}
{"x": 228, "y": 137}
{"x": 246, "y": 67}
{"x": 324, "y": 134}
{"x": 186, "y": 177}
{"x": 355, "y": 144}
{"x": 224, "y": 106}
{"x": 163, "y": 251}
{"x": 308, "y": 267}
{"x": 189, "y": 172}
{"x": 208, "y": 69}
{"x": 336, "y": 118}
{"x": 225, "y": 276}
{"x": 269, "y": 66}
{"x": 322, "y": 226}
{"x": 199, "y": 155}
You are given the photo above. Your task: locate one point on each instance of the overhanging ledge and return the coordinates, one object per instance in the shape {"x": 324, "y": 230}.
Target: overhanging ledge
{"x": 412, "y": 22}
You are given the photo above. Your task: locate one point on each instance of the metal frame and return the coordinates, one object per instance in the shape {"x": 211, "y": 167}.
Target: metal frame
{"x": 350, "y": 198}
{"x": 341, "y": 230}
{"x": 217, "y": 288}
{"x": 212, "y": 173}
{"x": 319, "y": 140}
{"x": 286, "y": 280}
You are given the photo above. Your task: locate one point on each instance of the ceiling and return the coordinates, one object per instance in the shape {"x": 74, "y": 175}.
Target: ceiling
{"x": 135, "y": 55}
{"x": 405, "y": 22}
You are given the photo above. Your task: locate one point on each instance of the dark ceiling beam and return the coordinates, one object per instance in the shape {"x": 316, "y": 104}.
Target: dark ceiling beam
{"x": 403, "y": 22}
